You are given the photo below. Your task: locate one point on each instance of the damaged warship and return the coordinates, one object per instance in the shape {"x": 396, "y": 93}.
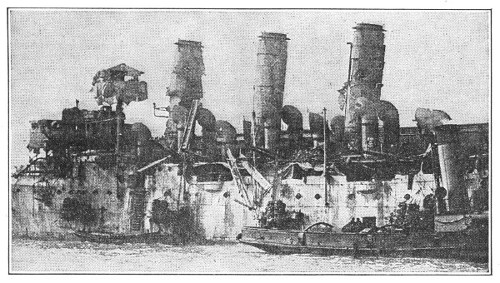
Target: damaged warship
{"x": 287, "y": 189}
{"x": 434, "y": 219}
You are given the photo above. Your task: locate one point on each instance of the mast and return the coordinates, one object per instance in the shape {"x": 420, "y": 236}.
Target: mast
{"x": 346, "y": 104}
{"x": 119, "y": 111}
{"x": 434, "y": 156}
{"x": 254, "y": 142}
{"x": 182, "y": 181}
{"x": 324, "y": 157}
{"x": 254, "y": 145}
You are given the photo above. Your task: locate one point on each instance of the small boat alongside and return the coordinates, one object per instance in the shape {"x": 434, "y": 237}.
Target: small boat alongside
{"x": 468, "y": 242}
{"x": 111, "y": 238}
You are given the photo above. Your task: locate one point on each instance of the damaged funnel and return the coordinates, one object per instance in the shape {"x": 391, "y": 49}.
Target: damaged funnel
{"x": 367, "y": 64}
{"x": 452, "y": 168}
{"x": 187, "y": 83}
{"x": 269, "y": 88}
{"x": 185, "y": 88}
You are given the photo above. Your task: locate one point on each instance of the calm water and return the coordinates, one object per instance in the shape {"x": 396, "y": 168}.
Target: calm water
{"x": 85, "y": 257}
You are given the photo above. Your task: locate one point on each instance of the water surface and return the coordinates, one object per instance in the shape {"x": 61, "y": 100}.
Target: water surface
{"x": 84, "y": 257}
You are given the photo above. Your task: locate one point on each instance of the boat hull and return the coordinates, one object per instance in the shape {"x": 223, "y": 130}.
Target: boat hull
{"x": 462, "y": 245}
{"x": 105, "y": 238}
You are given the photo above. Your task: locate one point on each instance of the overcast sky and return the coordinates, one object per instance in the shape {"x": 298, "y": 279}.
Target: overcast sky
{"x": 434, "y": 59}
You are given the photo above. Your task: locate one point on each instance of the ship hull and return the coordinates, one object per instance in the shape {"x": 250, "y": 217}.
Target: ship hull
{"x": 461, "y": 245}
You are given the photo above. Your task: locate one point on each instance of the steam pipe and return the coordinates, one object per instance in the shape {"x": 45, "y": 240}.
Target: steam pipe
{"x": 254, "y": 143}
{"x": 119, "y": 111}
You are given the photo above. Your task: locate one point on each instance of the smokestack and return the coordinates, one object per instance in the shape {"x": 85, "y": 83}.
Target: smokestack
{"x": 361, "y": 127}
{"x": 269, "y": 88}
{"x": 187, "y": 84}
{"x": 452, "y": 168}
{"x": 185, "y": 87}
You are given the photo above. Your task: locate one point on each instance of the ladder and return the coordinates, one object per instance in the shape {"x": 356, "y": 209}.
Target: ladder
{"x": 256, "y": 175}
{"x": 238, "y": 180}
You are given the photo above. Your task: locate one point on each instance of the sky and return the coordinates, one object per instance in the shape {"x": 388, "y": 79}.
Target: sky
{"x": 433, "y": 59}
